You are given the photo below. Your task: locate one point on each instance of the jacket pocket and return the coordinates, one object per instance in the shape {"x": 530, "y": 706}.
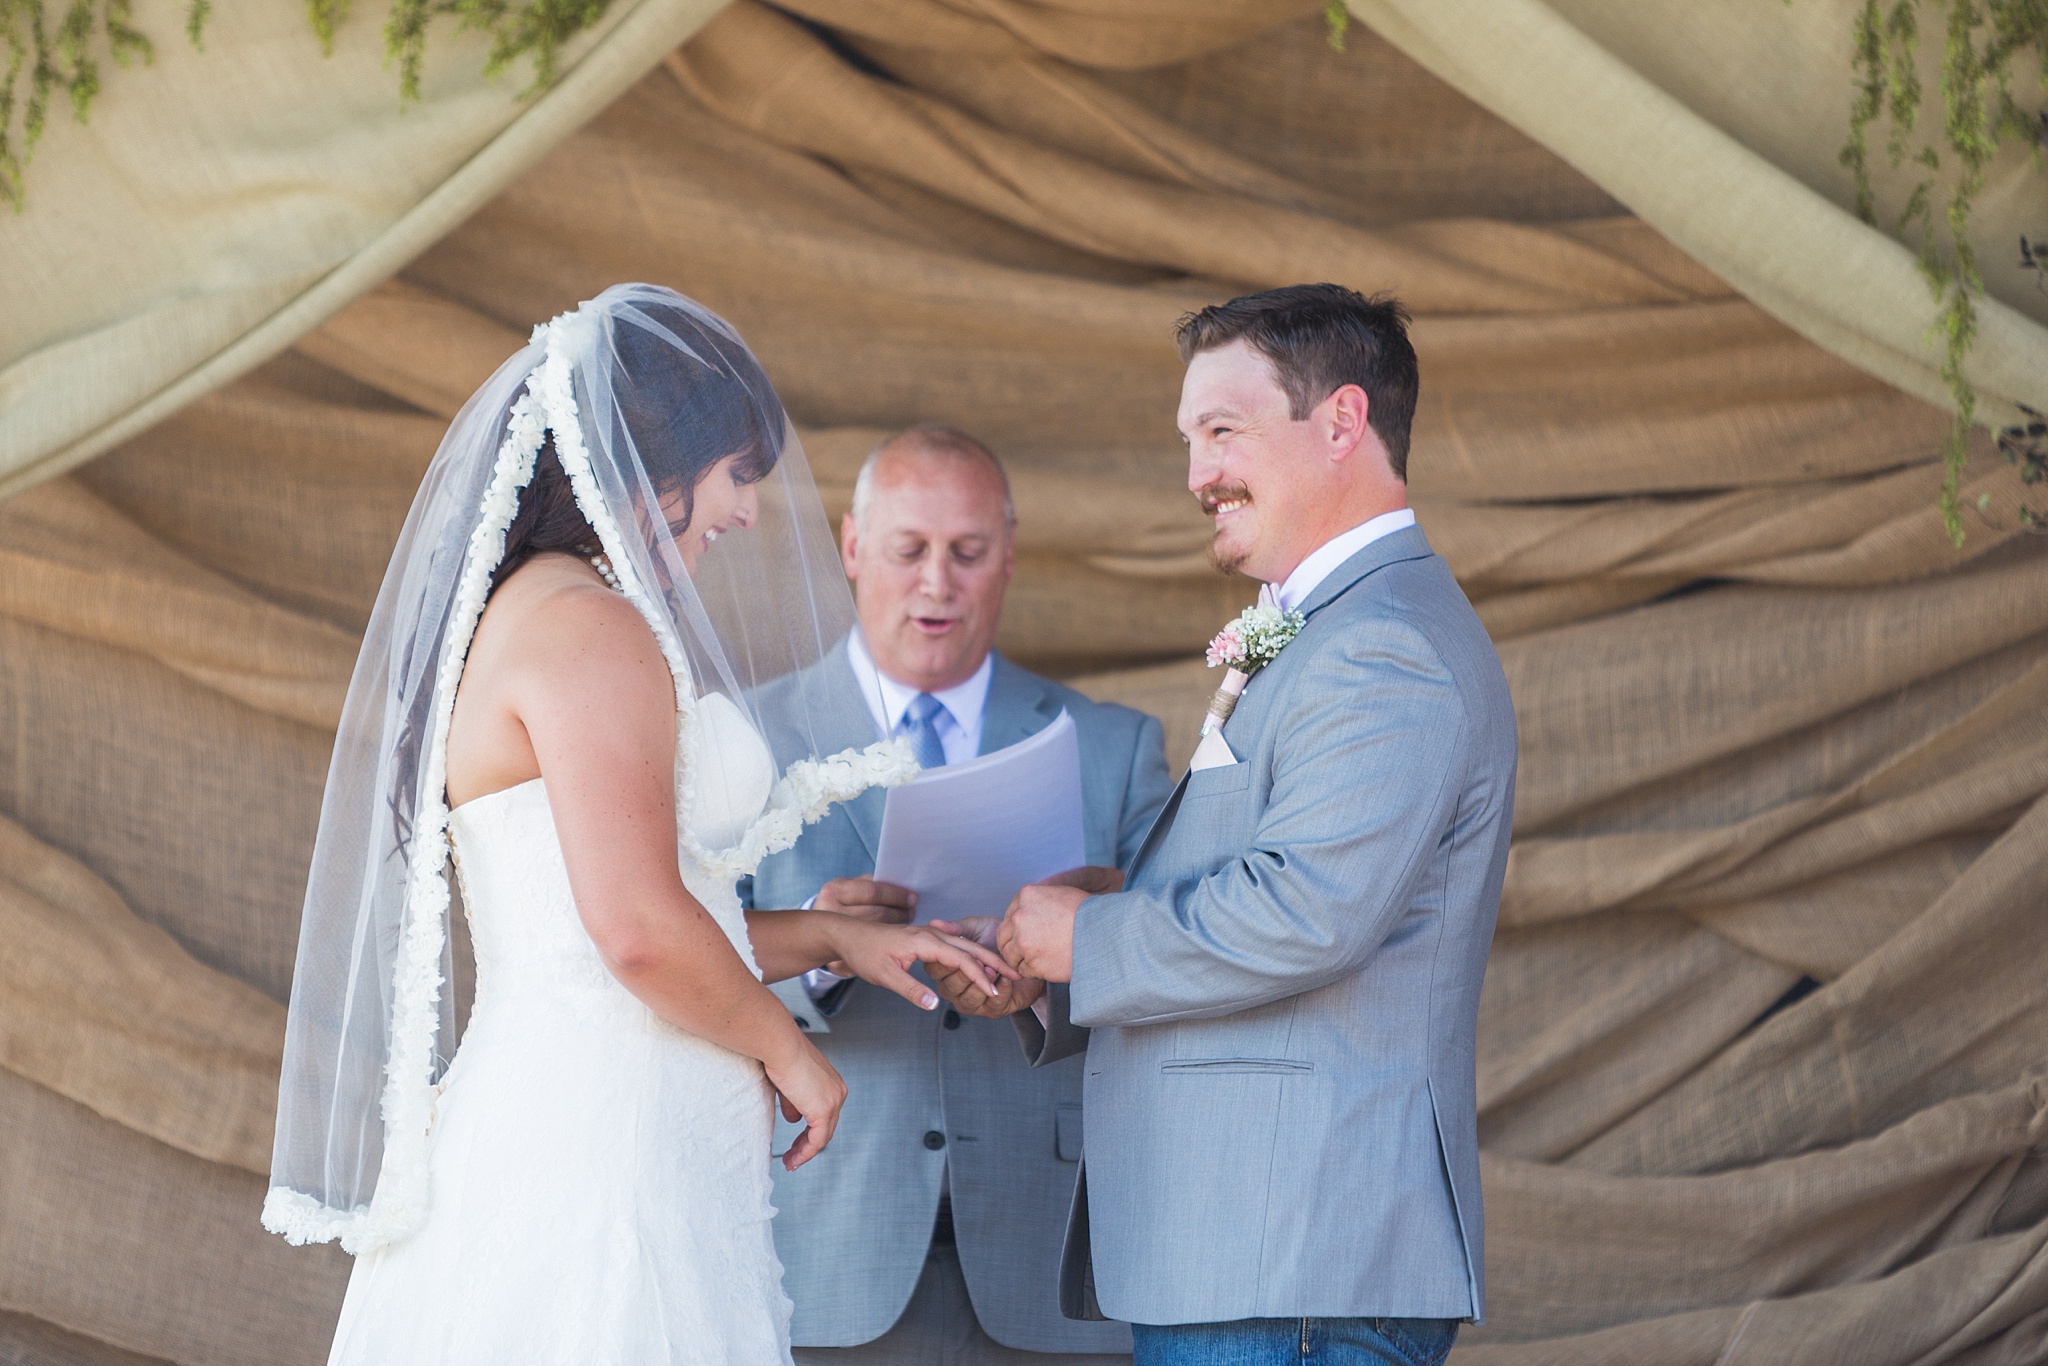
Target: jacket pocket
{"x": 1066, "y": 1132}
{"x": 1214, "y": 782}
{"x": 1221, "y": 1066}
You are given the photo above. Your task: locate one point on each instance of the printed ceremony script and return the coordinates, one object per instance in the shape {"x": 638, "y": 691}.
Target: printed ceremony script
{"x": 965, "y": 837}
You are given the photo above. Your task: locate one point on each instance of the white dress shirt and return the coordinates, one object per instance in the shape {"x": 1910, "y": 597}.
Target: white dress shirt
{"x": 1323, "y": 561}
{"x": 959, "y": 725}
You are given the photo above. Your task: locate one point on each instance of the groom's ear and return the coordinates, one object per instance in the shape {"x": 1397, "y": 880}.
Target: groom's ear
{"x": 1346, "y": 412}
{"x": 849, "y": 545}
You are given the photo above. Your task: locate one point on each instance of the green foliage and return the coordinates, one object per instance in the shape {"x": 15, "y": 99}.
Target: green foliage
{"x": 535, "y": 29}
{"x": 1981, "y": 41}
{"x": 1337, "y": 19}
{"x": 42, "y": 61}
{"x": 2026, "y": 445}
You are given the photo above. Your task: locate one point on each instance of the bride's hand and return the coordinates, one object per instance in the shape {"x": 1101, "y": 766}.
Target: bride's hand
{"x": 883, "y": 954}
{"x": 809, "y": 1089}
{"x": 866, "y": 899}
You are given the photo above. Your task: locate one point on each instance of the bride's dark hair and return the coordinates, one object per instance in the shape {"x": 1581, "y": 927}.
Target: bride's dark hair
{"x": 686, "y": 401}
{"x": 683, "y": 412}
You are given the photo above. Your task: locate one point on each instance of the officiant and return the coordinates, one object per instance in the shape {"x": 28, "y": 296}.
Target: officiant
{"x": 929, "y": 1233}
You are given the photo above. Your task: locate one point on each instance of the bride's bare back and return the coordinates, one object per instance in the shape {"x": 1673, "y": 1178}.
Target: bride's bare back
{"x": 559, "y": 646}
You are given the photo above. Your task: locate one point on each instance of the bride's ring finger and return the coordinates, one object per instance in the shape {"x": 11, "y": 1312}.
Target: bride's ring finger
{"x": 989, "y": 957}
{"x": 979, "y": 973}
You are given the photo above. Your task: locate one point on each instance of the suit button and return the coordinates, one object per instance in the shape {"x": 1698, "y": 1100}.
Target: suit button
{"x": 934, "y": 1140}
{"x": 952, "y": 1019}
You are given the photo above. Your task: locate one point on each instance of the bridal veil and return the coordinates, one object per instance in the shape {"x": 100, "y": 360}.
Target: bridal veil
{"x": 636, "y": 393}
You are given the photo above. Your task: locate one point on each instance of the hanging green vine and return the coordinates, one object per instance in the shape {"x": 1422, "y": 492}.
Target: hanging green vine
{"x": 1337, "y": 21}
{"x": 44, "y": 62}
{"x": 1982, "y": 39}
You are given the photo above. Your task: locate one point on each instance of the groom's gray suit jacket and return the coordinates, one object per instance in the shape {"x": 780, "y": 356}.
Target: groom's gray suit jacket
{"x": 1280, "y": 1077}
{"x": 926, "y": 1091}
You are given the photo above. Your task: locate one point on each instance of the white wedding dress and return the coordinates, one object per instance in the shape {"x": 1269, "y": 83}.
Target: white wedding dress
{"x": 599, "y": 1178}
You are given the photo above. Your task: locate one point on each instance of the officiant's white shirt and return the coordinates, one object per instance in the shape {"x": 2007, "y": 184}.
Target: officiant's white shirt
{"x": 1324, "y": 559}
{"x": 959, "y": 725}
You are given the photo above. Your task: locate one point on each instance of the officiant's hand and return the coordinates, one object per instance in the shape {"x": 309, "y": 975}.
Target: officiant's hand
{"x": 867, "y": 899}
{"x": 1093, "y": 879}
{"x": 963, "y": 994}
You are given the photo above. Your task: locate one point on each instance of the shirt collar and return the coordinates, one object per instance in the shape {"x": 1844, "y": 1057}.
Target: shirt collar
{"x": 889, "y": 699}
{"x": 1310, "y": 573}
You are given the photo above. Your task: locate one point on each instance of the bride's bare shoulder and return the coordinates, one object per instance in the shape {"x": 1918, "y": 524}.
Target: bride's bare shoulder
{"x": 563, "y": 666}
{"x": 552, "y": 622}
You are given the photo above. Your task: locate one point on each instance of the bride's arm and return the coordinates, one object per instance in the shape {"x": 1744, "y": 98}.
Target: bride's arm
{"x": 790, "y": 942}
{"x": 597, "y": 702}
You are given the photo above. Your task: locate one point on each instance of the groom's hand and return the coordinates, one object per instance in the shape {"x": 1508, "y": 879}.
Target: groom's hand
{"x": 1037, "y": 936}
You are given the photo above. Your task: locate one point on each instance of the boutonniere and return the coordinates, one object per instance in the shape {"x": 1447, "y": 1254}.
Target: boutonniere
{"x": 1248, "y": 644}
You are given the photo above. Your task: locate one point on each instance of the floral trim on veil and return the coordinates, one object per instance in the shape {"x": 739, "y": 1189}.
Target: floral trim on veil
{"x": 803, "y": 795}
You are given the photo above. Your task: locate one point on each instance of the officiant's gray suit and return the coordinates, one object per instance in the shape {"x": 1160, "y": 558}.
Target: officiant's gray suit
{"x": 935, "y": 1092}
{"x": 1281, "y": 1118}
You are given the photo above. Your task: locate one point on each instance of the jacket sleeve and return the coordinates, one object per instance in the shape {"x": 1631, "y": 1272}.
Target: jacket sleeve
{"x": 1364, "y": 780}
{"x": 1055, "y": 1038}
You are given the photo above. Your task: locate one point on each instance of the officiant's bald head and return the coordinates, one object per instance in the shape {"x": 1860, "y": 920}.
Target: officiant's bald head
{"x": 916, "y": 453}
{"x": 930, "y": 547}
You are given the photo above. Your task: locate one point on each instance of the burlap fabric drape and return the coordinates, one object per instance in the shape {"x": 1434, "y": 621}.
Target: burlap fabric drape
{"x": 1763, "y": 1030}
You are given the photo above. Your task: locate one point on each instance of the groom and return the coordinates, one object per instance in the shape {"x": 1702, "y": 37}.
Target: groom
{"x": 1281, "y": 1160}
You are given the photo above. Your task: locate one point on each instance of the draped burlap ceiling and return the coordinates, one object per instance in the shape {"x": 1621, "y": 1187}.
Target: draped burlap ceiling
{"x": 1762, "y": 1038}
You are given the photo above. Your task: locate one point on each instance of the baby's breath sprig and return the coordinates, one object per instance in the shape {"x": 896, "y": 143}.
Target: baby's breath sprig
{"x": 1254, "y": 638}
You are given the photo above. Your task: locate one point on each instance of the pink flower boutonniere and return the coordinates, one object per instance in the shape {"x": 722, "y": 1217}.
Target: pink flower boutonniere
{"x": 1248, "y": 644}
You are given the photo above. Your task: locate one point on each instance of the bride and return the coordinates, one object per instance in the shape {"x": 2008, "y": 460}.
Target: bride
{"x": 555, "y": 718}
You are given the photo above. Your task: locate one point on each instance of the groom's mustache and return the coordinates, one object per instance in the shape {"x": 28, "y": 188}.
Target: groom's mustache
{"x": 1211, "y": 498}
{"x": 1216, "y": 495}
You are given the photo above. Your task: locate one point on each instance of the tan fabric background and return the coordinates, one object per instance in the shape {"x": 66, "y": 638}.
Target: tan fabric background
{"x": 1778, "y": 737}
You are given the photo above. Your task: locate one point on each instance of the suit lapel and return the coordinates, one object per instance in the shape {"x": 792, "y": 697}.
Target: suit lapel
{"x": 1018, "y": 707}
{"x": 1406, "y": 544}
{"x": 846, "y": 723}
{"x": 1161, "y": 823}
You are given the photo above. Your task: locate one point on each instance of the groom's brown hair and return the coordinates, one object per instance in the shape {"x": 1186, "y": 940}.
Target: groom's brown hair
{"x": 1319, "y": 339}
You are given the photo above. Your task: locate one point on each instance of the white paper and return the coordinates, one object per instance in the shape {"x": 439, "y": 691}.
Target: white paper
{"x": 965, "y": 837}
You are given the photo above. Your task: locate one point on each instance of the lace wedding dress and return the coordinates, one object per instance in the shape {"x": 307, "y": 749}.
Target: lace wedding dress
{"x": 599, "y": 1178}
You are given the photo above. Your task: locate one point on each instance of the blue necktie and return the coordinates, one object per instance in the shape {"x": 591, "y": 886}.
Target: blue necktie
{"x": 923, "y": 714}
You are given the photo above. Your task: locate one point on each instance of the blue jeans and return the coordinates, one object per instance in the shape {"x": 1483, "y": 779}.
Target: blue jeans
{"x": 1296, "y": 1342}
